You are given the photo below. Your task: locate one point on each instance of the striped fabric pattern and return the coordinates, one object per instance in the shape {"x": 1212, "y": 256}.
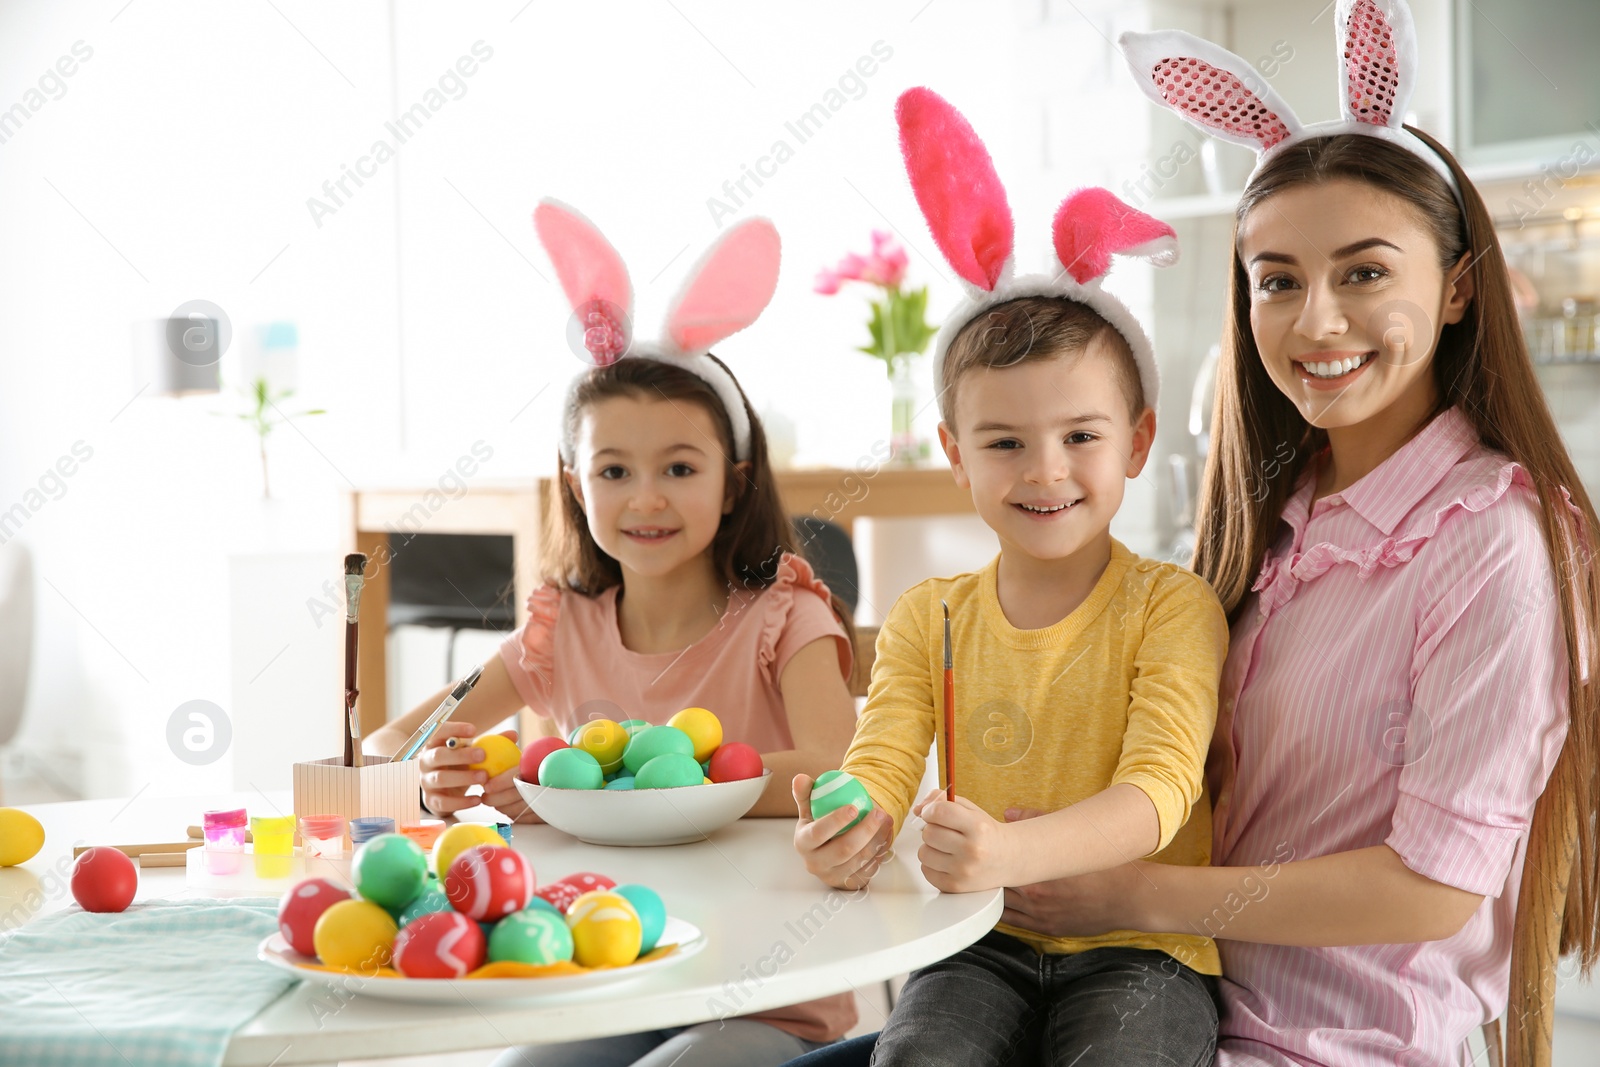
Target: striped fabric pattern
{"x": 1399, "y": 677}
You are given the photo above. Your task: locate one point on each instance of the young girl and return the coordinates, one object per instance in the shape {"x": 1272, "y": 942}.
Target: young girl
{"x": 673, "y": 583}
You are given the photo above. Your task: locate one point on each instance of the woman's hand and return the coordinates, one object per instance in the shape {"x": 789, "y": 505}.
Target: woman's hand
{"x": 1081, "y": 906}
{"x": 849, "y": 860}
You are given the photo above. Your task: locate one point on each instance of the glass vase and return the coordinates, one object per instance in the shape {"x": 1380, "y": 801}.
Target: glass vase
{"x": 903, "y": 444}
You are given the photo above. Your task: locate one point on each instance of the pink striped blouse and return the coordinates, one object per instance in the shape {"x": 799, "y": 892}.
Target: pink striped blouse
{"x": 1399, "y": 678}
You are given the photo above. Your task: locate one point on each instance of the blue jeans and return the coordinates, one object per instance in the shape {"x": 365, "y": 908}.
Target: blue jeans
{"x": 1000, "y": 1002}
{"x": 731, "y": 1043}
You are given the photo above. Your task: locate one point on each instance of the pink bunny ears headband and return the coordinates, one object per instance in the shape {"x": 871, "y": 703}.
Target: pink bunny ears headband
{"x": 725, "y": 292}
{"x": 965, "y": 205}
{"x": 1215, "y": 90}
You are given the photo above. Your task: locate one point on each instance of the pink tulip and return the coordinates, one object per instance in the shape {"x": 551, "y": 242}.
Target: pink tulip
{"x": 827, "y": 282}
{"x": 885, "y": 266}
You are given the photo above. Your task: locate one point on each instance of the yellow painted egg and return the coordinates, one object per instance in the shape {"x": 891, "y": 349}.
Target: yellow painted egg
{"x": 606, "y": 931}
{"x": 500, "y": 754}
{"x": 703, "y": 728}
{"x": 605, "y": 741}
{"x": 457, "y": 839}
{"x": 355, "y": 933}
{"x": 21, "y": 837}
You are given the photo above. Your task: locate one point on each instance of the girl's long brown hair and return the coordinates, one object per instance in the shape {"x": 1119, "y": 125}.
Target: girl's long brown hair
{"x": 751, "y": 539}
{"x": 1481, "y": 367}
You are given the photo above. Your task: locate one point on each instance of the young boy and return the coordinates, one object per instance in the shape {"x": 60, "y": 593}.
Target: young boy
{"x": 1085, "y": 687}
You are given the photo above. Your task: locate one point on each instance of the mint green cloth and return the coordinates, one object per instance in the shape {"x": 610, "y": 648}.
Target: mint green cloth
{"x": 164, "y": 983}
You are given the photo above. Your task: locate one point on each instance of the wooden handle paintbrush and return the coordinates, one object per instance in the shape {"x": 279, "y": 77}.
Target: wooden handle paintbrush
{"x": 355, "y": 565}
{"x": 949, "y": 710}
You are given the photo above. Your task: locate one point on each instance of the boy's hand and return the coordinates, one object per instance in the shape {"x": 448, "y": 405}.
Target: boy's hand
{"x": 845, "y": 862}
{"x": 963, "y": 849}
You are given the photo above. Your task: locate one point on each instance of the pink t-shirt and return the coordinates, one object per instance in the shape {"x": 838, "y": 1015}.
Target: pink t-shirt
{"x": 568, "y": 664}
{"x": 1398, "y": 678}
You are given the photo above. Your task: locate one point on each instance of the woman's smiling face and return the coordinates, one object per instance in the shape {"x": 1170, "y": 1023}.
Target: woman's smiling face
{"x": 1347, "y": 298}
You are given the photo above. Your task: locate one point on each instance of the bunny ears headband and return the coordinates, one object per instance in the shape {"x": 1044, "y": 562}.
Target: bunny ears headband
{"x": 965, "y": 205}
{"x": 1215, "y": 90}
{"x": 725, "y": 292}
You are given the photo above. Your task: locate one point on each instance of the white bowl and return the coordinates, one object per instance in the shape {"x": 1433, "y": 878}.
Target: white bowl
{"x": 644, "y": 816}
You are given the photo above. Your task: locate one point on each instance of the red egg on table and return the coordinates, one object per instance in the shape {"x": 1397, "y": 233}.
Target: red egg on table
{"x": 441, "y": 944}
{"x": 487, "y": 882}
{"x": 534, "y": 754}
{"x": 560, "y": 895}
{"x": 734, "y": 762}
{"x": 104, "y": 880}
{"x": 588, "y": 880}
{"x": 300, "y": 909}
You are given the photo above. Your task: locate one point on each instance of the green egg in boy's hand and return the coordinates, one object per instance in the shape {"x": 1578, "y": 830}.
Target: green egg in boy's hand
{"x": 837, "y": 789}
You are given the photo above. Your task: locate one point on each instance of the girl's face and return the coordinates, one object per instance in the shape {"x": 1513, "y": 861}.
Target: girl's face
{"x": 649, "y": 475}
{"x": 1347, "y": 299}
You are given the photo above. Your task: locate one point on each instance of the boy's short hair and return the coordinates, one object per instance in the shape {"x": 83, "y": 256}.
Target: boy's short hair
{"x": 1029, "y": 329}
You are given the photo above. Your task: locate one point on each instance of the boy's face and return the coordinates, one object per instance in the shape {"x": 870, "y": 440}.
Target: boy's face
{"x": 1046, "y": 448}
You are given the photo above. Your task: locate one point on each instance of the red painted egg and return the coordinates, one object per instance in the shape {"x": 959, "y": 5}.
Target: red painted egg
{"x": 735, "y": 761}
{"x": 560, "y": 895}
{"x": 104, "y": 879}
{"x": 588, "y": 880}
{"x": 488, "y": 882}
{"x": 440, "y": 944}
{"x": 534, "y": 754}
{"x": 302, "y": 906}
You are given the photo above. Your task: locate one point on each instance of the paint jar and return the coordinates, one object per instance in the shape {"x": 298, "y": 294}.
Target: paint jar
{"x": 424, "y": 833}
{"x": 367, "y": 827}
{"x": 224, "y": 831}
{"x": 273, "y": 838}
{"x": 322, "y": 836}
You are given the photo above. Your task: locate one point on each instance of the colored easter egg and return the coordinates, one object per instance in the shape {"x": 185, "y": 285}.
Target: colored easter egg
{"x": 656, "y": 741}
{"x": 531, "y": 936}
{"x": 538, "y": 903}
{"x": 488, "y": 882}
{"x": 587, "y": 880}
{"x": 836, "y": 789}
{"x": 703, "y": 728}
{"x": 605, "y": 930}
{"x": 441, "y": 944}
{"x": 558, "y": 895}
{"x": 624, "y": 782}
{"x": 571, "y": 768}
{"x": 432, "y": 898}
{"x": 604, "y": 740}
{"x": 104, "y": 879}
{"x": 457, "y": 839}
{"x": 534, "y": 754}
{"x": 300, "y": 909}
{"x": 670, "y": 770}
{"x": 355, "y": 933}
{"x": 500, "y": 754}
{"x": 21, "y": 837}
{"x": 572, "y": 734}
{"x": 390, "y": 870}
{"x": 651, "y": 910}
{"x": 634, "y": 726}
{"x": 734, "y": 762}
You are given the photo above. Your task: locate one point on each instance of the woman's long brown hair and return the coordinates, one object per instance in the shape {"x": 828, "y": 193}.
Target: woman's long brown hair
{"x": 752, "y": 538}
{"x": 1481, "y": 367}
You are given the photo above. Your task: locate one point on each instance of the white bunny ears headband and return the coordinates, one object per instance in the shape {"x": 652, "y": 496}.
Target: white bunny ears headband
{"x": 725, "y": 292}
{"x": 1225, "y": 96}
{"x": 966, "y": 209}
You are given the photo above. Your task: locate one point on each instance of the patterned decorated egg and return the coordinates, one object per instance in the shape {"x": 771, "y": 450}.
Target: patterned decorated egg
{"x": 441, "y": 944}
{"x": 651, "y": 910}
{"x": 836, "y": 789}
{"x": 604, "y": 740}
{"x": 734, "y": 762}
{"x": 559, "y": 895}
{"x": 670, "y": 770}
{"x": 703, "y": 728}
{"x": 571, "y": 768}
{"x": 389, "y": 870}
{"x": 300, "y": 909}
{"x": 355, "y": 933}
{"x": 605, "y": 930}
{"x": 531, "y": 936}
{"x": 534, "y": 754}
{"x": 457, "y": 839}
{"x": 431, "y": 899}
{"x": 487, "y": 882}
{"x": 587, "y": 880}
{"x": 646, "y": 745}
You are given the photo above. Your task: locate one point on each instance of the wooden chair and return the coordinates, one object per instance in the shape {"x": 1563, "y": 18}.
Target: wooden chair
{"x": 866, "y": 652}
{"x": 1536, "y": 937}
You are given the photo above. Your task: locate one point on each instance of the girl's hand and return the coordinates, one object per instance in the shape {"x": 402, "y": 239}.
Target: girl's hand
{"x": 1082, "y": 906}
{"x": 500, "y": 792}
{"x": 850, "y": 860}
{"x": 964, "y": 850}
{"x": 446, "y": 772}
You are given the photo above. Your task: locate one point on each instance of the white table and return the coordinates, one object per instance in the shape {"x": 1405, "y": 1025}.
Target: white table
{"x": 744, "y": 887}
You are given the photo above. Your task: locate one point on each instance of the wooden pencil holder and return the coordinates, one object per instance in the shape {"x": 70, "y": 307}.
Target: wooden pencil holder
{"x": 383, "y": 789}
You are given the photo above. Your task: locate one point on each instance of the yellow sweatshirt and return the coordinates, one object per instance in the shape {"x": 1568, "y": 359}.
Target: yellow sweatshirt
{"x": 1124, "y": 689}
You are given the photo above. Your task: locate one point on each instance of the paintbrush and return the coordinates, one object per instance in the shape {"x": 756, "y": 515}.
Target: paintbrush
{"x": 949, "y": 710}
{"x": 355, "y": 565}
{"x": 458, "y": 693}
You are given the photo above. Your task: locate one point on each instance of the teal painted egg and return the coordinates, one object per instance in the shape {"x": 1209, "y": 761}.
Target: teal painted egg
{"x": 621, "y": 782}
{"x": 634, "y": 726}
{"x": 652, "y": 913}
{"x": 541, "y": 904}
{"x": 837, "y": 789}
{"x": 390, "y": 870}
{"x": 656, "y": 741}
{"x": 670, "y": 770}
{"x": 532, "y": 935}
{"x": 570, "y": 768}
{"x": 431, "y": 899}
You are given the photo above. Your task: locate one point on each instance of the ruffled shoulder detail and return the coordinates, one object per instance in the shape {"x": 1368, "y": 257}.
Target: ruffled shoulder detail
{"x": 1487, "y": 479}
{"x": 539, "y": 634}
{"x": 795, "y": 579}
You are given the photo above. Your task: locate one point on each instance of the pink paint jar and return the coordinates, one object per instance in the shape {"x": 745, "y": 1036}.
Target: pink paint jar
{"x": 322, "y": 835}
